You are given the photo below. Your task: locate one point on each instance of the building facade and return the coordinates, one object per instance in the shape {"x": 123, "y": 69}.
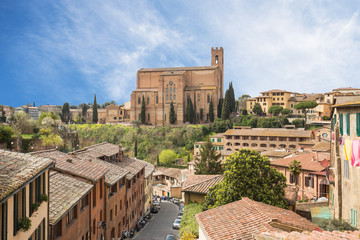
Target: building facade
{"x": 161, "y": 86}
{"x": 344, "y": 191}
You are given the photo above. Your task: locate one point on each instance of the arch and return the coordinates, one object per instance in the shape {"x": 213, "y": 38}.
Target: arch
{"x": 292, "y": 146}
{"x": 229, "y": 144}
{"x": 263, "y": 145}
{"x": 139, "y": 100}
{"x": 282, "y": 145}
{"x": 198, "y": 98}
{"x": 148, "y": 100}
{"x": 254, "y": 145}
{"x": 208, "y": 98}
{"x": 272, "y": 145}
{"x": 174, "y": 89}
{"x": 237, "y": 144}
{"x": 228, "y": 149}
{"x": 245, "y": 144}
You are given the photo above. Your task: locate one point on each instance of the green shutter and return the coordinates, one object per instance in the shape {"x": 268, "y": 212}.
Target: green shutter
{"x": 358, "y": 124}
{"x": 15, "y": 214}
{"x": 341, "y": 123}
{"x": 23, "y": 203}
{"x": 348, "y": 124}
{"x": 30, "y": 198}
{"x": 333, "y": 122}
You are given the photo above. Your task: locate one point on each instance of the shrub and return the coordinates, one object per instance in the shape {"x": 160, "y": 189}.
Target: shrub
{"x": 336, "y": 225}
{"x": 189, "y": 225}
{"x": 24, "y": 224}
{"x": 44, "y": 198}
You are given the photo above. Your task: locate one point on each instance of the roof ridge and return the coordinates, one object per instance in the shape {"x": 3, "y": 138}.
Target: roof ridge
{"x": 215, "y": 176}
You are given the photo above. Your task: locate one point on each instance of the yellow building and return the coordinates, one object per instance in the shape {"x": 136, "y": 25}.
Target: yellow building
{"x": 268, "y": 99}
{"x": 24, "y": 196}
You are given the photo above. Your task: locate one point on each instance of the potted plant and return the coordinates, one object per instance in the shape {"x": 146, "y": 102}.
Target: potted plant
{"x": 44, "y": 197}
{"x": 24, "y": 224}
{"x": 35, "y": 207}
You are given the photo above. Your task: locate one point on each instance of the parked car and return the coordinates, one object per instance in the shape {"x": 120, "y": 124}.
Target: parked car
{"x": 154, "y": 209}
{"x": 180, "y": 214}
{"x": 170, "y": 237}
{"x": 176, "y": 224}
{"x": 179, "y": 217}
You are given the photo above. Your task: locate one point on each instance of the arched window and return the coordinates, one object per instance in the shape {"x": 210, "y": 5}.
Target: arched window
{"x": 208, "y": 98}
{"x": 228, "y": 144}
{"x": 228, "y": 149}
{"x": 292, "y": 146}
{"x": 216, "y": 59}
{"x": 174, "y": 88}
{"x": 245, "y": 144}
{"x": 139, "y": 100}
{"x": 198, "y": 97}
{"x": 262, "y": 145}
{"x": 254, "y": 145}
{"x": 174, "y": 97}
{"x": 237, "y": 144}
{"x": 282, "y": 145}
{"x": 167, "y": 96}
{"x": 157, "y": 99}
{"x": 167, "y": 88}
{"x": 272, "y": 145}
{"x": 170, "y": 96}
{"x": 170, "y": 89}
{"x": 188, "y": 97}
{"x": 148, "y": 99}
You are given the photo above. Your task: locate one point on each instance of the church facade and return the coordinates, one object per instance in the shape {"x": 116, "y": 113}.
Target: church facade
{"x": 161, "y": 86}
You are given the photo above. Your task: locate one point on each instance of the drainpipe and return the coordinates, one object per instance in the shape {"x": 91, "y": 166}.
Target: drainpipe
{"x": 338, "y": 170}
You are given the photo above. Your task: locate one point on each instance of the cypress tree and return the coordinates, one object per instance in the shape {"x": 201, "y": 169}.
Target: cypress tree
{"x": 194, "y": 110}
{"x": 219, "y": 107}
{"x": 201, "y": 114}
{"x": 95, "y": 112}
{"x": 190, "y": 111}
{"x": 172, "y": 113}
{"x": 65, "y": 113}
{"x": 211, "y": 111}
{"x": 135, "y": 148}
{"x": 143, "y": 114}
{"x": 225, "y": 111}
{"x": 232, "y": 98}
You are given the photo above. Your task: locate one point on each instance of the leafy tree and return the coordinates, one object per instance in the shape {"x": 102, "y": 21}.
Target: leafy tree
{"x": 225, "y": 112}
{"x": 84, "y": 108}
{"x": 22, "y": 124}
{"x": 189, "y": 228}
{"x": 209, "y": 162}
{"x": 105, "y": 104}
{"x": 220, "y": 126}
{"x": 285, "y": 111}
{"x": 275, "y": 110}
{"x": 6, "y": 133}
{"x": 190, "y": 111}
{"x": 211, "y": 111}
{"x": 49, "y": 138}
{"x": 167, "y": 156}
{"x": 73, "y": 107}
{"x": 336, "y": 225}
{"x": 242, "y": 101}
{"x": 257, "y": 109}
{"x": 305, "y": 107}
{"x": 95, "y": 111}
{"x": 143, "y": 113}
{"x": 51, "y": 115}
{"x": 172, "y": 118}
{"x": 135, "y": 148}
{"x": 65, "y": 113}
{"x": 295, "y": 169}
{"x": 219, "y": 107}
{"x": 248, "y": 174}
{"x": 299, "y": 123}
{"x": 244, "y": 111}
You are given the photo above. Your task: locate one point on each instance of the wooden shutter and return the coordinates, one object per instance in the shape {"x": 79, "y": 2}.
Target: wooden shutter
{"x": 16, "y": 202}
{"x": 358, "y": 124}
{"x": 341, "y": 124}
{"x": 30, "y": 198}
{"x": 348, "y": 124}
{"x": 23, "y": 203}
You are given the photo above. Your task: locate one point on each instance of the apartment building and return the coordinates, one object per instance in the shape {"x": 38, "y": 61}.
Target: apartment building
{"x": 149, "y": 171}
{"x": 24, "y": 192}
{"x": 87, "y": 171}
{"x": 265, "y": 139}
{"x": 345, "y": 161}
{"x": 269, "y": 98}
{"x": 217, "y": 141}
{"x": 69, "y": 209}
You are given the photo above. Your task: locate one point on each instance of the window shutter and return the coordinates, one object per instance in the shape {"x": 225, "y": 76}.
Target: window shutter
{"x": 15, "y": 213}
{"x": 23, "y": 202}
{"x": 30, "y": 198}
{"x": 358, "y": 124}
{"x": 341, "y": 123}
{"x": 348, "y": 124}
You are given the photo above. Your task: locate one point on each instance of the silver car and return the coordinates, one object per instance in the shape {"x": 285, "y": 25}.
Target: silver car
{"x": 176, "y": 224}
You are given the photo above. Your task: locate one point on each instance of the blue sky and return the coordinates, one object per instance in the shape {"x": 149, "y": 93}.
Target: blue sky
{"x": 53, "y": 52}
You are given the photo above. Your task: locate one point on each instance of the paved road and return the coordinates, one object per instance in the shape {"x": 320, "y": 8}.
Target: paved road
{"x": 160, "y": 224}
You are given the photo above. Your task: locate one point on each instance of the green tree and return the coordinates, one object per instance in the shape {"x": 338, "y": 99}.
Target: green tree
{"x": 257, "y": 109}
{"x": 6, "y": 133}
{"x": 189, "y": 229}
{"x": 95, "y": 111}
{"x": 248, "y": 174}
{"x": 211, "y": 111}
{"x": 201, "y": 114}
{"x": 225, "y": 111}
{"x": 232, "y": 98}
{"x": 242, "y": 101}
{"x": 143, "y": 113}
{"x": 135, "y": 148}
{"x": 219, "y": 107}
{"x": 220, "y": 126}
{"x": 295, "y": 169}
{"x": 172, "y": 118}
{"x": 285, "y": 111}
{"x": 167, "y": 156}
{"x": 105, "y": 104}
{"x": 275, "y": 110}
{"x": 209, "y": 162}
{"x": 190, "y": 111}
{"x": 84, "y": 108}
{"x": 305, "y": 107}
{"x": 65, "y": 113}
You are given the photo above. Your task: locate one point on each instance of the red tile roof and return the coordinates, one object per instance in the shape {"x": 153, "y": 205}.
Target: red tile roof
{"x": 204, "y": 185}
{"x": 242, "y": 219}
{"x": 73, "y": 165}
{"x": 314, "y": 235}
{"x": 309, "y": 161}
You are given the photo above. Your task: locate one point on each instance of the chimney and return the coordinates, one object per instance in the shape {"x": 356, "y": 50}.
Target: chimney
{"x": 69, "y": 160}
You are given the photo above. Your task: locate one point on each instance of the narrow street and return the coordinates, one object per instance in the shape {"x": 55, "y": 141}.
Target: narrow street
{"x": 160, "y": 224}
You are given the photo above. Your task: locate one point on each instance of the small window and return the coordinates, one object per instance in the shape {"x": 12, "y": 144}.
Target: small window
{"x": 167, "y": 90}
{"x": 354, "y": 217}
{"x": 216, "y": 59}
{"x": 148, "y": 100}
{"x": 167, "y": 96}
{"x": 170, "y": 89}
{"x": 139, "y": 100}
{"x": 348, "y": 124}
{"x": 208, "y": 98}
{"x": 157, "y": 99}
{"x": 170, "y": 96}
{"x": 174, "y": 90}
{"x": 174, "y": 98}
{"x": 148, "y": 116}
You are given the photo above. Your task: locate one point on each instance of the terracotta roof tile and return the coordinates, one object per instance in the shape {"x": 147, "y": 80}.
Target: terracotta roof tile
{"x": 149, "y": 168}
{"x": 74, "y": 165}
{"x": 65, "y": 192}
{"x": 192, "y": 179}
{"x": 133, "y": 166}
{"x": 309, "y": 161}
{"x": 276, "y": 132}
{"x": 314, "y": 235}
{"x": 204, "y": 185}
{"x": 106, "y": 149}
{"x": 170, "y": 172}
{"x": 274, "y": 153}
{"x": 322, "y": 147}
{"x": 18, "y": 168}
{"x": 242, "y": 219}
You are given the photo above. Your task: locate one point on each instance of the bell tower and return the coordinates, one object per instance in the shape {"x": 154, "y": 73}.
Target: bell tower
{"x": 217, "y": 59}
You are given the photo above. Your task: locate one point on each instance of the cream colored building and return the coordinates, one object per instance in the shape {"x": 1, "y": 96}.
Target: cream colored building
{"x": 23, "y": 192}
{"x": 268, "y": 99}
{"x": 345, "y": 190}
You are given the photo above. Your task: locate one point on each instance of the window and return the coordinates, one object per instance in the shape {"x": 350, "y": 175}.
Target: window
{"x": 174, "y": 90}
{"x": 94, "y": 196}
{"x": 71, "y": 215}
{"x": 347, "y": 124}
{"x": 94, "y": 227}
{"x": 121, "y": 205}
{"x": 309, "y": 181}
{"x": 174, "y": 97}
{"x": 115, "y": 210}
{"x": 167, "y": 89}
{"x": 157, "y": 99}
{"x": 170, "y": 96}
{"x": 219, "y": 140}
{"x": 341, "y": 124}
{"x": 111, "y": 215}
{"x": 139, "y": 100}
{"x": 148, "y": 100}
{"x": 346, "y": 169}
{"x": 208, "y": 98}
{"x": 148, "y": 116}
{"x": 196, "y": 146}
{"x": 354, "y": 217}
{"x": 167, "y": 96}
{"x": 198, "y": 98}
{"x": 101, "y": 188}
{"x": 293, "y": 179}
{"x": 84, "y": 202}
{"x": 358, "y": 124}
